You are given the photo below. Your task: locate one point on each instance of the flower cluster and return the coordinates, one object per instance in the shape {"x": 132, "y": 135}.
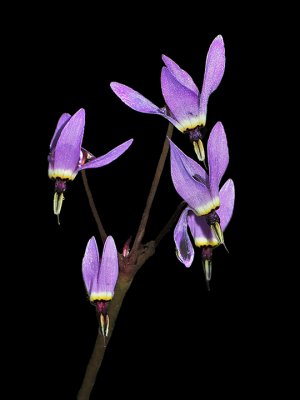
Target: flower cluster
{"x": 209, "y": 207}
{"x": 209, "y": 210}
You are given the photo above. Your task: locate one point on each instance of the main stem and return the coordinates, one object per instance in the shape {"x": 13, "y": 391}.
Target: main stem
{"x": 153, "y": 189}
{"x": 99, "y": 349}
{"x": 128, "y": 267}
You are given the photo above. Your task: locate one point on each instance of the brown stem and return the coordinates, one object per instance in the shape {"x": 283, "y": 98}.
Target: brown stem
{"x": 170, "y": 223}
{"x": 155, "y": 182}
{"x": 128, "y": 267}
{"x": 101, "y": 229}
{"x": 99, "y": 349}
{"x": 126, "y": 275}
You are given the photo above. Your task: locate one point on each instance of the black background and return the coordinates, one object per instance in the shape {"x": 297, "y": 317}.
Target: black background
{"x": 171, "y": 333}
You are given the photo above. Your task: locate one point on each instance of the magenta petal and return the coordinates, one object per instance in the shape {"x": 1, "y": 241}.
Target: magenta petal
{"x": 190, "y": 181}
{"x": 182, "y": 102}
{"x": 67, "y": 149}
{"x": 109, "y": 269}
{"x": 90, "y": 265}
{"x": 227, "y": 196}
{"x": 182, "y": 76}
{"x": 214, "y": 71}
{"x": 218, "y": 157}
{"x": 61, "y": 123}
{"x": 184, "y": 248}
{"x": 108, "y": 157}
{"x": 134, "y": 99}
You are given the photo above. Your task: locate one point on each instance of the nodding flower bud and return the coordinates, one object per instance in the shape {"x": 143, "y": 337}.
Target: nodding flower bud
{"x": 126, "y": 249}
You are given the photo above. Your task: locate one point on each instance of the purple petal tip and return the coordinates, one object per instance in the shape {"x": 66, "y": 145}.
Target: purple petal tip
{"x": 80, "y": 112}
{"x": 219, "y": 38}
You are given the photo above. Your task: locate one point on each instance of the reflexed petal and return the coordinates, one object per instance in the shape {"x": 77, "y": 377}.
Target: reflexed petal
{"x": 190, "y": 181}
{"x": 138, "y": 102}
{"x": 201, "y": 231}
{"x": 181, "y": 75}
{"x": 218, "y": 157}
{"x": 108, "y": 157}
{"x": 184, "y": 248}
{"x": 90, "y": 265}
{"x": 67, "y": 149}
{"x": 182, "y": 102}
{"x": 109, "y": 270}
{"x": 214, "y": 71}
{"x": 61, "y": 123}
{"x": 191, "y": 166}
{"x": 134, "y": 99}
{"x": 227, "y": 195}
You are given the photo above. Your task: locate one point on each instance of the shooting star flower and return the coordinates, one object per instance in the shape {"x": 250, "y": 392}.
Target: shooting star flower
{"x": 67, "y": 157}
{"x": 203, "y": 236}
{"x": 186, "y": 107}
{"x": 100, "y": 277}
{"x": 199, "y": 189}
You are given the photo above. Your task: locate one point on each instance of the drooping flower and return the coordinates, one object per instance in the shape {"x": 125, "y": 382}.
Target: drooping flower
{"x": 186, "y": 107}
{"x": 67, "y": 157}
{"x": 100, "y": 277}
{"x": 201, "y": 232}
{"x": 199, "y": 189}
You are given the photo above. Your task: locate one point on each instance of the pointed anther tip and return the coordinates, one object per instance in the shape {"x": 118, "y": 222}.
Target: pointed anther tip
{"x": 225, "y": 247}
{"x": 208, "y": 285}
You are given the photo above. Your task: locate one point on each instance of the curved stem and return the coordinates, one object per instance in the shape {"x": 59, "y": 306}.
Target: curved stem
{"x": 101, "y": 229}
{"x": 170, "y": 223}
{"x": 155, "y": 182}
{"x": 128, "y": 266}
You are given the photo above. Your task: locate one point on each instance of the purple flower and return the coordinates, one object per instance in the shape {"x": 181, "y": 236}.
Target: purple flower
{"x": 186, "y": 107}
{"x": 201, "y": 232}
{"x": 67, "y": 157}
{"x": 100, "y": 277}
{"x": 199, "y": 189}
